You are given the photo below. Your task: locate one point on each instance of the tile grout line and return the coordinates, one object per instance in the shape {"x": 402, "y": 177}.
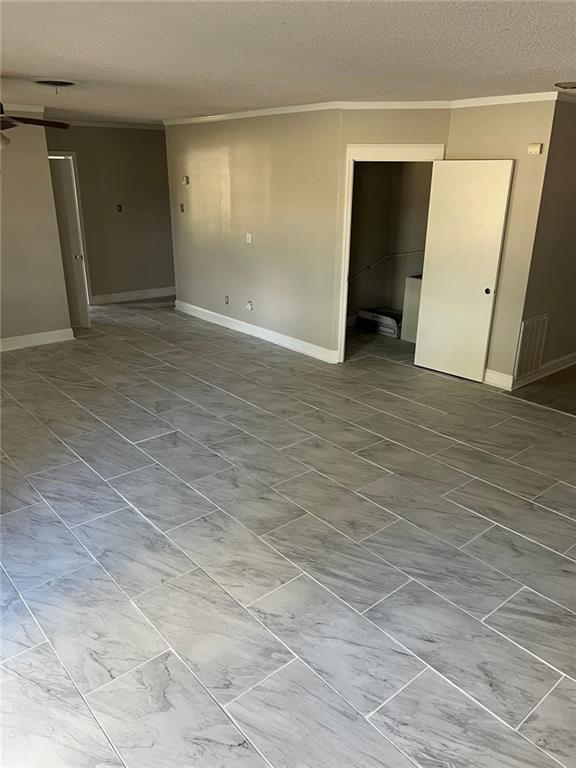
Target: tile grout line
{"x": 406, "y": 685}
{"x": 363, "y": 457}
{"x": 384, "y": 597}
{"x": 67, "y": 672}
{"x": 525, "y": 718}
{"x": 272, "y": 591}
{"x": 340, "y": 532}
{"x": 126, "y": 673}
{"x": 409, "y": 578}
{"x": 134, "y": 604}
{"x": 502, "y": 604}
{"x": 255, "y": 685}
{"x": 477, "y": 536}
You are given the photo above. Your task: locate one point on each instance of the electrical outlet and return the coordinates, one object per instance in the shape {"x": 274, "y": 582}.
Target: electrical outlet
{"x": 250, "y": 306}
{"x": 249, "y": 238}
{"x": 181, "y": 207}
{"x": 226, "y": 299}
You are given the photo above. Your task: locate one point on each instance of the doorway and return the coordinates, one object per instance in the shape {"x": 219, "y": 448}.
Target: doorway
{"x": 72, "y": 242}
{"x": 422, "y": 244}
{"x": 387, "y": 237}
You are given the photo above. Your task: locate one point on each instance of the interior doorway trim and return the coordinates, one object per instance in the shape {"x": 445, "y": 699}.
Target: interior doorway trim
{"x": 383, "y": 153}
{"x": 65, "y": 155}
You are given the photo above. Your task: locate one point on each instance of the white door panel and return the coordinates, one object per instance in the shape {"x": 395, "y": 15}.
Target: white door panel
{"x": 68, "y": 218}
{"x": 466, "y": 220}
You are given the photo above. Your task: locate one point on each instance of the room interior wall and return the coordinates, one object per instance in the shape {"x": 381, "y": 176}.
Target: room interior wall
{"x": 552, "y": 280}
{"x": 504, "y": 132}
{"x": 276, "y": 178}
{"x": 32, "y": 275}
{"x": 282, "y": 177}
{"x": 131, "y": 250}
{"x": 389, "y": 216}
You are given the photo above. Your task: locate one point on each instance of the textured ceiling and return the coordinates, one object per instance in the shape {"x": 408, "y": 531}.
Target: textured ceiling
{"x": 145, "y": 61}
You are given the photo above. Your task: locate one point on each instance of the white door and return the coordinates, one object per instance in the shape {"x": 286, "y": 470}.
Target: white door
{"x": 466, "y": 219}
{"x": 69, "y": 229}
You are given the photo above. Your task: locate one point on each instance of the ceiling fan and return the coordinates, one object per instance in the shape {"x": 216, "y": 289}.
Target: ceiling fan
{"x": 12, "y": 121}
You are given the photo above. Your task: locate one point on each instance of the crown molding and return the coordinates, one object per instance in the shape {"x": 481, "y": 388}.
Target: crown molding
{"x": 483, "y": 101}
{"x": 33, "y": 108}
{"x": 318, "y": 107}
{"x": 112, "y": 124}
{"x": 494, "y": 101}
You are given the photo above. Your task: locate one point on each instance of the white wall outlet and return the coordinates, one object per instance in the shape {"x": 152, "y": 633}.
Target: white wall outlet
{"x": 226, "y": 299}
{"x": 535, "y": 149}
{"x": 250, "y": 306}
{"x": 249, "y": 238}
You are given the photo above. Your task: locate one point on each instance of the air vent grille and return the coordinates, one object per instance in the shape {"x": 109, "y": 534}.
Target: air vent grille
{"x": 531, "y": 345}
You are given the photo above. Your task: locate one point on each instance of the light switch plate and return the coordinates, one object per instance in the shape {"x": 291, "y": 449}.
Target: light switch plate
{"x": 535, "y": 149}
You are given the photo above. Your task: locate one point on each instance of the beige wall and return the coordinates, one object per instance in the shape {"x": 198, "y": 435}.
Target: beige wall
{"x": 276, "y": 177}
{"x": 32, "y": 277}
{"x": 389, "y": 216}
{"x": 552, "y": 279}
{"x": 504, "y": 132}
{"x": 282, "y": 178}
{"x": 132, "y": 250}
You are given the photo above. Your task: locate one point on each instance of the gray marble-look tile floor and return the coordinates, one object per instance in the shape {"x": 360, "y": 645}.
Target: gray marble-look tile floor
{"x": 217, "y": 552}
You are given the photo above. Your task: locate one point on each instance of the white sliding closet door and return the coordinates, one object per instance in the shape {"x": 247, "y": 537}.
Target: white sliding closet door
{"x": 466, "y": 219}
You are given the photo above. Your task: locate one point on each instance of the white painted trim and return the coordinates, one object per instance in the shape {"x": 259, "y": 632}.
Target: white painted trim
{"x": 80, "y": 220}
{"x": 36, "y": 339}
{"x": 145, "y": 293}
{"x": 312, "y": 350}
{"x": 546, "y": 369}
{"x": 497, "y": 379}
{"x": 318, "y": 107}
{"x": 482, "y": 101}
{"x": 494, "y": 101}
{"x": 369, "y": 153}
{"x": 411, "y": 153}
{"x": 112, "y": 124}
{"x": 8, "y": 108}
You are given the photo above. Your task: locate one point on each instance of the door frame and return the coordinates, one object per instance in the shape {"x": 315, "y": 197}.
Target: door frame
{"x": 380, "y": 153}
{"x": 65, "y": 155}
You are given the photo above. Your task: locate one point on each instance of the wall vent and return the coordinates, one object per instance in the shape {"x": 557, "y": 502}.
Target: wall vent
{"x": 531, "y": 345}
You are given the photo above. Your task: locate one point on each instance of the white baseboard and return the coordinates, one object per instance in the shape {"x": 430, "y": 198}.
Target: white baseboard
{"x": 497, "y": 379}
{"x": 546, "y": 369}
{"x": 312, "y": 350}
{"x": 36, "y": 339}
{"x": 146, "y": 293}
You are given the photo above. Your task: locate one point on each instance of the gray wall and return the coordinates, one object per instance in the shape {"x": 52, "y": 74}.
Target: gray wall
{"x": 33, "y": 290}
{"x": 389, "y": 215}
{"x": 132, "y": 250}
{"x": 504, "y": 132}
{"x": 552, "y": 280}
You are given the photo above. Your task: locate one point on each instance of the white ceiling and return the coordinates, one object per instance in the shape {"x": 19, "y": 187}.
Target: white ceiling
{"x": 148, "y": 61}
